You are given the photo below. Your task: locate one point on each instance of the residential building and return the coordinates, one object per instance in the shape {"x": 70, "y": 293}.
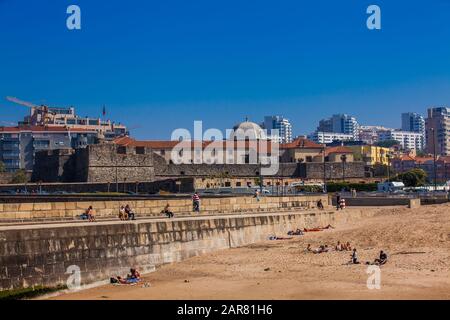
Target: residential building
{"x": 438, "y": 131}
{"x": 301, "y": 150}
{"x": 408, "y": 140}
{"x": 329, "y": 137}
{"x": 370, "y": 154}
{"x": 19, "y": 144}
{"x": 406, "y": 162}
{"x": 281, "y": 124}
{"x": 414, "y": 122}
{"x": 340, "y": 123}
{"x": 370, "y": 134}
{"x": 66, "y": 117}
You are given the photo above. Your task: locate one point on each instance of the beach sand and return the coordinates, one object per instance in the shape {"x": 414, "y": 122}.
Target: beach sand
{"x": 416, "y": 240}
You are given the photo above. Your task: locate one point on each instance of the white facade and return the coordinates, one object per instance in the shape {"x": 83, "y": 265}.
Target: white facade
{"x": 281, "y": 124}
{"x": 329, "y": 137}
{"x": 340, "y": 123}
{"x": 412, "y": 121}
{"x": 414, "y": 141}
{"x": 370, "y": 134}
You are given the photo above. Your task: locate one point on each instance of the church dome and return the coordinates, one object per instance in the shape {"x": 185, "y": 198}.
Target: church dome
{"x": 248, "y": 130}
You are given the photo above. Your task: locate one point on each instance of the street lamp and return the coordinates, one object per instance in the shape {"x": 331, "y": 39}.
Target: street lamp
{"x": 343, "y": 159}
{"x": 434, "y": 158}
{"x": 324, "y": 172}
{"x": 388, "y": 157}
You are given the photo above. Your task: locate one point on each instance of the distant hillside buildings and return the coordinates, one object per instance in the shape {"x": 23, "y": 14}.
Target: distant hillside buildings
{"x": 51, "y": 129}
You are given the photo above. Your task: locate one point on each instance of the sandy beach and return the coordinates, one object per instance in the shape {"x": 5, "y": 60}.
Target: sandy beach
{"x": 416, "y": 240}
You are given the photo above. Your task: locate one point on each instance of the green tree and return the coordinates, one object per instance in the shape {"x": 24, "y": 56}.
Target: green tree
{"x": 2, "y": 167}
{"x": 20, "y": 176}
{"x": 412, "y": 178}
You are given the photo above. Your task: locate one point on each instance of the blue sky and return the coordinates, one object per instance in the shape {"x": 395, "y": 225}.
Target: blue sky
{"x": 160, "y": 65}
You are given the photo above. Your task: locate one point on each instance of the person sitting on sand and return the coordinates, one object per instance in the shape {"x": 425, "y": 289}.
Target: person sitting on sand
{"x": 338, "y": 246}
{"x": 134, "y": 275}
{"x": 382, "y": 260}
{"x": 167, "y": 211}
{"x": 122, "y": 213}
{"x": 346, "y": 247}
{"x": 308, "y": 247}
{"x": 354, "y": 257}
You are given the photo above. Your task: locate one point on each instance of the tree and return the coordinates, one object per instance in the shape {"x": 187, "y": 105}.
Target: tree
{"x": 387, "y": 143}
{"x": 412, "y": 178}
{"x": 20, "y": 176}
{"x": 2, "y": 167}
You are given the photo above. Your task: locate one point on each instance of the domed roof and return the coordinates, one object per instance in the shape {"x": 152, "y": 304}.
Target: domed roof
{"x": 248, "y": 130}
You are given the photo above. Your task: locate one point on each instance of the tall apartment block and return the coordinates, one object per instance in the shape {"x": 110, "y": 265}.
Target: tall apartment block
{"x": 281, "y": 124}
{"x": 413, "y": 122}
{"x": 340, "y": 123}
{"x": 438, "y": 121}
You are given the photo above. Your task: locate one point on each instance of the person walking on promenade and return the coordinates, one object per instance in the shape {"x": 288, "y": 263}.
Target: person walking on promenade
{"x": 196, "y": 202}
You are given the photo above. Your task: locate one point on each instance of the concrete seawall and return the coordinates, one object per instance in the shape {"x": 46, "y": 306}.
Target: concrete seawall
{"x": 152, "y": 207}
{"x": 42, "y": 254}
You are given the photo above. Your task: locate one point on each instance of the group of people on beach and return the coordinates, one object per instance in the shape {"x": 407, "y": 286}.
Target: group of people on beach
{"x": 381, "y": 260}
{"x": 325, "y": 248}
{"x": 133, "y": 277}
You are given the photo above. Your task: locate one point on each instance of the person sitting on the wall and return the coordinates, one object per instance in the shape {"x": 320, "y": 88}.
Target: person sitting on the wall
{"x": 167, "y": 211}
{"x": 122, "y": 214}
{"x": 91, "y": 214}
{"x": 129, "y": 212}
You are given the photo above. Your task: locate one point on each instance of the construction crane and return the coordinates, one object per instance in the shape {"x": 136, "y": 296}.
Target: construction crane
{"x": 38, "y": 113}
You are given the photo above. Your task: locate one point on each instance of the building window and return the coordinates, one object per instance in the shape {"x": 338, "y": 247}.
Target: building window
{"x": 227, "y": 184}
{"x": 121, "y": 150}
{"x": 238, "y": 184}
{"x": 140, "y": 150}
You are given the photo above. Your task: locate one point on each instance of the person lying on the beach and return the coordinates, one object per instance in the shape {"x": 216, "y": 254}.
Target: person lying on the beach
{"x": 318, "y": 228}
{"x": 297, "y": 232}
{"x": 320, "y": 249}
{"x": 278, "y": 238}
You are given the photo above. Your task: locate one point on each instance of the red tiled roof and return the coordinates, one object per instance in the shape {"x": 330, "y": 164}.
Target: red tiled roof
{"x": 301, "y": 143}
{"x": 338, "y": 149}
{"x": 404, "y": 157}
{"x": 168, "y": 144}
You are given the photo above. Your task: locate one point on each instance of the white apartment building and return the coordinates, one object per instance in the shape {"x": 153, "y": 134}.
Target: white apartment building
{"x": 413, "y": 141}
{"x": 328, "y": 137}
{"x": 281, "y": 124}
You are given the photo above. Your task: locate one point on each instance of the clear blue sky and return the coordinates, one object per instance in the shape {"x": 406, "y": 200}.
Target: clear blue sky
{"x": 162, "y": 64}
